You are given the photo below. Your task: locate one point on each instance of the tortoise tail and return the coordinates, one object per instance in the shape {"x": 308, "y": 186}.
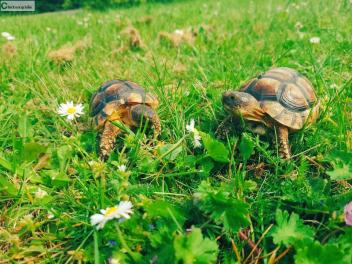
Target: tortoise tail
{"x": 108, "y": 139}
{"x": 284, "y": 148}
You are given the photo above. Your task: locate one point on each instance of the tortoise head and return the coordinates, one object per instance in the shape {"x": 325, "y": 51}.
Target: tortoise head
{"x": 141, "y": 113}
{"x": 241, "y": 104}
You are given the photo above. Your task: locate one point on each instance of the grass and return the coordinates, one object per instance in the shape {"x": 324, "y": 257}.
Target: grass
{"x": 172, "y": 185}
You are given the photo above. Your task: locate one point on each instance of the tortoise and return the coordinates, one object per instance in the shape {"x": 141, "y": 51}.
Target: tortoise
{"x": 124, "y": 101}
{"x": 280, "y": 98}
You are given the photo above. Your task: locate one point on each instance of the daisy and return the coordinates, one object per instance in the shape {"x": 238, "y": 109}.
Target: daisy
{"x": 106, "y": 215}
{"x": 315, "y": 40}
{"x": 196, "y": 136}
{"x": 8, "y": 36}
{"x": 40, "y": 193}
{"x": 123, "y": 210}
{"x": 179, "y": 32}
{"x": 50, "y": 215}
{"x": 122, "y": 168}
{"x": 190, "y": 128}
{"x": 5, "y": 34}
{"x": 196, "y": 140}
{"x": 114, "y": 260}
{"x": 348, "y": 214}
{"x": 70, "y": 110}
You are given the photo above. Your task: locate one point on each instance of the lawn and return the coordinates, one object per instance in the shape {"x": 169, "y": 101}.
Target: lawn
{"x": 231, "y": 200}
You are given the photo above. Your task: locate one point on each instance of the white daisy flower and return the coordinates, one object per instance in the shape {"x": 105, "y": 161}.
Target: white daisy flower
{"x": 40, "y": 193}
{"x": 123, "y": 210}
{"x": 334, "y": 86}
{"x": 122, "y": 168}
{"x": 5, "y": 34}
{"x": 50, "y": 215}
{"x": 196, "y": 136}
{"x": 114, "y": 260}
{"x": 315, "y": 40}
{"x": 196, "y": 140}
{"x": 179, "y": 32}
{"x": 70, "y": 110}
{"x": 106, "y": 215}
{"x": 10, "y": 38}
{"x": 190, "y": 128}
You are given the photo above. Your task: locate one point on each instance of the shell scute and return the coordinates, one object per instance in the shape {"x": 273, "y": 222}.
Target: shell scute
{"x": 306, "y": 87}
{"x": 293, "y": 98}
{"x": 281, "y": 74}
{"x": 286, "y": 96}
{"x": 265, "y": 89}
{"x": 114, "y": 96}
{"x": 113, "y": 89}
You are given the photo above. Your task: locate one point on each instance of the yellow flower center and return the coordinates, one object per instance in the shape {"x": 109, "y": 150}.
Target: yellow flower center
{"x": 71, "y": 110}
{"x": 110, "y": 211}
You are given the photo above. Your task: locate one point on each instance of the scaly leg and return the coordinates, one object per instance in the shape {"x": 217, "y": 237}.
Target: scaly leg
{"x": 108, "y": 139}
{"x": 224, "y": 128}
{"x": 284, "y": 147}
{"x": 156, "y": 124}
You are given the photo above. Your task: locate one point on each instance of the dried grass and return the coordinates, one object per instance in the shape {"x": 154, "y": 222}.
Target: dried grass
{"x": 178, "y": 37}
{"x": 66, "y": 54}
{"x": 134, "y": 38}
{"x": 9, "y": 50}
{"x": 147, "y": 20}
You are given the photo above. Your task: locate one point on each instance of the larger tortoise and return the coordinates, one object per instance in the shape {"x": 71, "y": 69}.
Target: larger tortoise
{"x": 125, "y": 101}
{"x": 280, "y": 98}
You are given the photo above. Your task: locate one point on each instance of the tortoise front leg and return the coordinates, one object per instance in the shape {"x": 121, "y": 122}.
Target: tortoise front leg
{"x": 108, "y": 139}
{"x": 224, "y": 128}
{"x": 284, "y": 147}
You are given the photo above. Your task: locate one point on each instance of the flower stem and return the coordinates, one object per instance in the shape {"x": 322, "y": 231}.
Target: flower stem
{"x": 96, "y": 248}
{"x": 124, "y": 243}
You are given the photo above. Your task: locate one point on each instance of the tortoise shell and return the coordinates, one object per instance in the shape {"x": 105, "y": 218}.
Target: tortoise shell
{"x": 286, "y": 96}
{"x": 113, "y": 97}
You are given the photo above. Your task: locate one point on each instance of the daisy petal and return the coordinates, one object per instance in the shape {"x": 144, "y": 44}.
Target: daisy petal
{"x": 96, "y": 218}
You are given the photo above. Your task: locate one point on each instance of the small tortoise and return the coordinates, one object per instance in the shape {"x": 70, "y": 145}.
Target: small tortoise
{"x": 124, "y": 101}
{"x": 280, "y": 98}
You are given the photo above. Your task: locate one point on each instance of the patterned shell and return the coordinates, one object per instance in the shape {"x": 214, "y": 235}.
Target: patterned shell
{"x": 286, "y": 96}
{"x": 114, "y": 96}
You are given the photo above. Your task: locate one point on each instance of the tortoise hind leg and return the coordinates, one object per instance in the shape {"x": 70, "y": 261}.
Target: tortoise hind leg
{"x": 156, "y": 124}
{"x": 108, "y": 139}
{"x": 284, "y": 148}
